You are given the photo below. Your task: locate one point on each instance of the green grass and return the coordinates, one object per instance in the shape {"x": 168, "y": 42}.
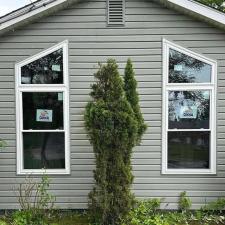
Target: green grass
{"x": 70, "y": 218}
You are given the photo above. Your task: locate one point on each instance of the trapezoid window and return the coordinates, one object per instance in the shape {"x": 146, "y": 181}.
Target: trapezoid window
{"x": 189, "y": 112}
{"x": 43, "y": 113}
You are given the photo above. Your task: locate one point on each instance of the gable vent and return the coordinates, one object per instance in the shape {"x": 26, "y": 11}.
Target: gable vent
{"x": 116, "y": 12}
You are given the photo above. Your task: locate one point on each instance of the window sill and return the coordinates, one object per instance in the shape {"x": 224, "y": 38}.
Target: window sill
{"x": 42, "y": 172}
{"x": 188, "y": 172}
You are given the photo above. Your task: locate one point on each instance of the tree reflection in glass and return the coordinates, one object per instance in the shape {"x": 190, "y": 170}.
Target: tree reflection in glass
{"x": 185, "y": 69}
{"x": 188, "y": 150}
{"x": 46, "y": 70}
{"x": 44, "y": 150}
{"x": 189, "y": 109}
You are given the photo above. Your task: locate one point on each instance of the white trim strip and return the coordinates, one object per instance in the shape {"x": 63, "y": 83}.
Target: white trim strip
{"x": 200, "y": 9}
{"x": 30, "y": 14}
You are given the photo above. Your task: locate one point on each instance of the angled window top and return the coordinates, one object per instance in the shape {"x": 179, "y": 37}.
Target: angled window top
{"x": 45, "y": 68}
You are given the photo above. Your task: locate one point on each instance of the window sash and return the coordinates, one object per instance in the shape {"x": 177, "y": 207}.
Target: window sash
{"x": 49, "y": 89}
{"x": 188, "y": 87}
{"x": 210, "y": 111}
{"x": 21, "y": 88}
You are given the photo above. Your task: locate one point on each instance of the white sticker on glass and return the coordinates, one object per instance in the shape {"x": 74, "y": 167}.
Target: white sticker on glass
{"x": 44, "y": 115}
{"x": 188, "y": 112}
{"x": 60, "y": 96}
{"x": 56, "y": 68}
{"x": 178, "y": 67}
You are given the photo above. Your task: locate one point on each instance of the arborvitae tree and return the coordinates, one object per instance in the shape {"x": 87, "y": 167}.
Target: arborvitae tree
{"x": 130, "y": 87}
{"x": 115, "y": 125}
{"x": 113, "y": 130}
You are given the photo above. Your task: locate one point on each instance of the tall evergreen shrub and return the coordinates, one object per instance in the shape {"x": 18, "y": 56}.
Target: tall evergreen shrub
{"x": 113, "y": 130}
{"x": 130, "y": 87}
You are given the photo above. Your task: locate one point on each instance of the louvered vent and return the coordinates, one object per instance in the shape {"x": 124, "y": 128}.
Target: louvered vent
{"x": 116, "y": 12}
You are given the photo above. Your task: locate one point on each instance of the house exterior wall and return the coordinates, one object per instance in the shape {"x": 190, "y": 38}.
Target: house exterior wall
{"x": 91, "y": 41}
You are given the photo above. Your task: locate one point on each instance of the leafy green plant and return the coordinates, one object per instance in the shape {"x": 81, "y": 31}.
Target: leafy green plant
{"x": 184, "y": 203}
{"x": 143, "y": 212}
{"x": 2, "y": 144}
{"x": 218, "y": 205}
{"x": 35, "y": 201}
{"x": 217, "y": 4}
{"x": 3, "y": 222}
{"x": 113, "y": 129}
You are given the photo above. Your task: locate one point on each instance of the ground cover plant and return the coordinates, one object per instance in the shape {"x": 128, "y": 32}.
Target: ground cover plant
{"x": 145, "y": 212}
{"x": 148, "y": 212}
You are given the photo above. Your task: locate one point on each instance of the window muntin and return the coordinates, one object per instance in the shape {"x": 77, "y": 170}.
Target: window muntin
{"x": 186, "y": 69}
{"x": 43, "y": 113}
{"x": 189, "y": 112}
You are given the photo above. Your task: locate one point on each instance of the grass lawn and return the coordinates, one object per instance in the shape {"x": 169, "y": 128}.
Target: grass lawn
{"x": 70, "y": 219}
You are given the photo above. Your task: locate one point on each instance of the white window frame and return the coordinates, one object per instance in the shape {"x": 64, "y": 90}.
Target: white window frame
{"x": 212, "y": 87}
{"x": 20, "y": 88}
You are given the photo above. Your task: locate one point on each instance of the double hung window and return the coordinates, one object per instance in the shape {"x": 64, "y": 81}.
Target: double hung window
{"x": 43, "y": 112}
{"x": 189, "y": 112}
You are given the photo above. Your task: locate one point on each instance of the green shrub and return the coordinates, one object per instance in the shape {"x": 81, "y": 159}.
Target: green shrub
{"x": 2, "y": 144}
{"x": 143, "y": 213}
{"x": 184, "y": 203}
{"x": 112, "y": 127}
{"x": 217, "y": 205}
{"x": 147, "y": 213}
{"x": 35, "y": 202}
{"x": 130, "y": 88}
{"x": 3, "y": 222}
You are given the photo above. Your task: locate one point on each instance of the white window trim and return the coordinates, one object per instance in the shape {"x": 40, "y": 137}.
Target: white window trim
{"x": 20, "y": 88}
{"x": 196, "y": 86}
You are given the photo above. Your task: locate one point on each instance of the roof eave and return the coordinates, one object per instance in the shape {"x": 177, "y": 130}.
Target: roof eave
{"x": 198, "y": 11}
{"x": 31, "y": 16}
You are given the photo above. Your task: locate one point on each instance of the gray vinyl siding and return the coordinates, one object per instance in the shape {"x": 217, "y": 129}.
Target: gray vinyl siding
{"x": 91, "y": 41}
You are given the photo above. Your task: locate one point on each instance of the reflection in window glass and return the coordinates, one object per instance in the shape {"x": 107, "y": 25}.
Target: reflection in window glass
{"x": 188, "y": 150}
{"x": 46, "y": 70}
{"x": 42, "y": 110}
{"x": 189, "y": 109}
{"x": 185, "y": 69}
{"x": 44, "y": 150}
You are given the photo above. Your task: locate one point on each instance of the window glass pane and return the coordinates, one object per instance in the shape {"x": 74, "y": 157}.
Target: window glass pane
{"x": 185, "y": 69}
{"x": 189, "y": 109}
{"x": 188, "y": 150}
{"x": 46, "y": 70}
{"x": 42, "y": 110}
{"x": 44, "y": 150}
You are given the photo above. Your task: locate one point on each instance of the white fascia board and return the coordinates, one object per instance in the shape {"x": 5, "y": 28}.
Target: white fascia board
{"x": 200, "y": 9}
{"x": 27, "y": 15}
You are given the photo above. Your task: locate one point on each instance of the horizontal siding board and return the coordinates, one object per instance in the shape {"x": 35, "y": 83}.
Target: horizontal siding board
{"x": 90, "y": 41}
